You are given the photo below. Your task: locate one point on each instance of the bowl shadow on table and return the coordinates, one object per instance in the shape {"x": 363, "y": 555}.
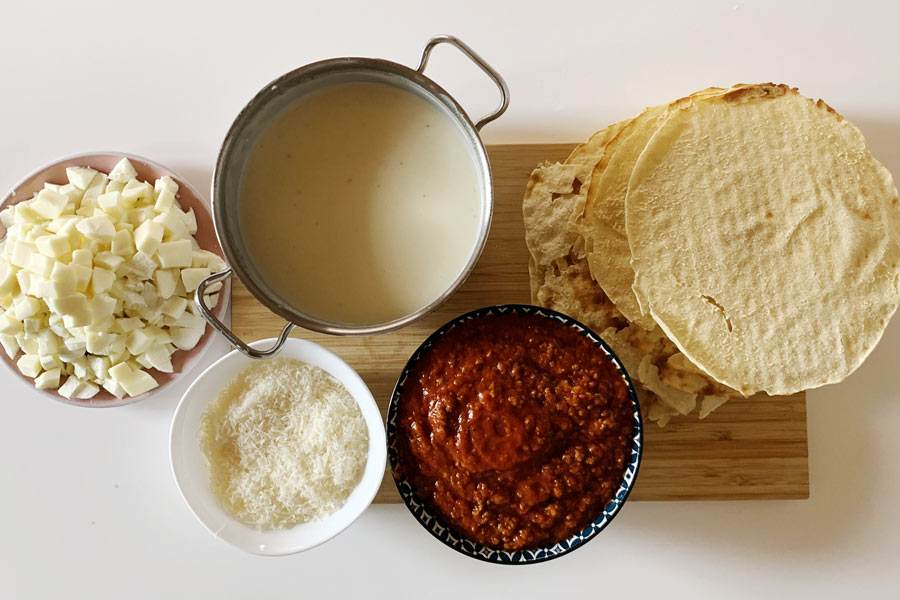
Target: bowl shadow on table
{"x": 845, "y": 481}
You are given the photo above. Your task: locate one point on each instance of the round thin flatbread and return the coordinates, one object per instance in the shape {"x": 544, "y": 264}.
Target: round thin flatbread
{"x": 765, "y": 239}
{"x": 604, "y": 212}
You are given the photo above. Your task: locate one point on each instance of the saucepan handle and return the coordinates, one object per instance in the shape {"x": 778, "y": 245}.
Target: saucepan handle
{"x": 480, "y": 62}
{"x": 223, "y": 329}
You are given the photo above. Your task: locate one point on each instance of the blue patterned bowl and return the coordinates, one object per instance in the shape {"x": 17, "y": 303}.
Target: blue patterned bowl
{"x": 439, "y": 528}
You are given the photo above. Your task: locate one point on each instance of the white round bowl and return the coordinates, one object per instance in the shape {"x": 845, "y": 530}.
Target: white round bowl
{"x": 191, "y": 471}
{"x": 188, "y": 197}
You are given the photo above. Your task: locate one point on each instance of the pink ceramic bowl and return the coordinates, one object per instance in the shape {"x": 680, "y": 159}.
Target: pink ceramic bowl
{"x": 55, "y": 172}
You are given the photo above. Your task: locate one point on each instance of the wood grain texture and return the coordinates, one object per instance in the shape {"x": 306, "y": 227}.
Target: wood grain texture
{"x": 749, "y": 449}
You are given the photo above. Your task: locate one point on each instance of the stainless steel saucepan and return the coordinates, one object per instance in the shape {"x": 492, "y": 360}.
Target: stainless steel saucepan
{"x": 253, "y": 120}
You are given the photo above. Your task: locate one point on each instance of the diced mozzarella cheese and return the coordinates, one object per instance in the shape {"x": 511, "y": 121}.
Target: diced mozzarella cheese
{"x": 49, "y": 379}
{"x": 97, "y": 228}
{"x": 123, "y": 172}
{"x": 53, "y": 246}
{"x": 74, "y": 306}
{"x": 102, "y": 280}
{"x": 148, "y": 237}
{"x": 82, "y": 257}
{"x": 26, "y": 306}
{"x": 10, "y": 345}
{"x": 108, "y": 260}
{"x": 49, "y": 204}
{"x": 174, "y": 254}
{"x": 122, "y": 243}
{"x": 112, "y": 204}
{"x": 191, "y": 278}
{"x": 80, "y": 177}
{"x": 95, "y": 277}
{"x": 29, "y": 365}
{"x": 138, "y": 191}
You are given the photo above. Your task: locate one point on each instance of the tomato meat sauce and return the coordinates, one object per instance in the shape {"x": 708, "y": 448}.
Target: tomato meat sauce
{"x": 515, "y": 429}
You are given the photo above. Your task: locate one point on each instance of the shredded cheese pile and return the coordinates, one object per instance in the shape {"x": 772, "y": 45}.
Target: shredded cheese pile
{"x": 286, "y": 443}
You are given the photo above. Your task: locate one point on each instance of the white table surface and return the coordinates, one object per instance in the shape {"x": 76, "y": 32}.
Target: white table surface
{"x": 88, "y": 507}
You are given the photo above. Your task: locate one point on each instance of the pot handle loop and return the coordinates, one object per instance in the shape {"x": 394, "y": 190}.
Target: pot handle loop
{"x": 223, "y": 329}
{"x": 480, "y": 62}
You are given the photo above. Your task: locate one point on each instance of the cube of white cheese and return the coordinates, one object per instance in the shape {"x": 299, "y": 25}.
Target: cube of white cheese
{"x": 63, "y": 225}
{"x": 41, "y": 265}
{"x": 122, "y": 243}
{"x": 53, "y": 246}
{"x": 26, "y": 306}
{"x": 112, "y": 204}
{"x": 29, "y": 365}
{"x": 48, "y": 204}
{"x": 174, "y": 307}
{"x": 139, "y": 383}
{"x": 138, "y": 192}
{"x": 75, "y": 307}
{"x": 148, "y": 236}
{"x": 63, "y": 276}
{"x": 23, "y": 279}
{"x": 100, "y": 342}
{"x": 27, "y": 342}
{"x": 138, "y": 341}
{"x": 87, "y": 390}
{"x": 190, "y": 220}
{"x": 95, "y": 189}
{"x": 33, "y": 324}
{"x": 80, "y": 368}
{"x": 69, "y": 354}
{"x": 158, "y": 357}
{"x": 165, "y": 200}
{"x": 83, "y": 276}
{"x": 108, "y": 260}
{"x": 71, "y": 387}
{"x": 48, "y": 342}
{"x": 25, "y": 212}
{"x": 102, "y": 308}
{"x": 100, "y": 366}
{"x": 123, "y": 172}
{"x": 50, "y": 361}
{"x": 165, "y": 183}
{"x": 20, "y": 253}
{"x": 191, "y": 278}
{"x": 10, "y": 345}
{"x": 172, "y": 220}
{"x": 114, "y": 388}
{"x": 187, "y": 337}
{"x": 10, "y": 325}
{"x": 73, "y": 193}
{"x": 97, "y": 228}
{"x": 126, "y": 324}
{"x": 134, "y": 382}
{"x": 174, "y": 254}
{"x": 82, "y": 257}
{"x": 166, "y": 280}
{"x": 102, "y": 280}
{"x": 8, "y": 283}
{"x": 49, "y": 379}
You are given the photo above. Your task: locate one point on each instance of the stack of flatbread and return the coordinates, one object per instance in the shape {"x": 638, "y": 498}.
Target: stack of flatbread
{"x": 736, "y": 241}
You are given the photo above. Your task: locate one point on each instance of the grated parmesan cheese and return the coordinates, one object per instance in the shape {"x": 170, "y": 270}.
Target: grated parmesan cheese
{"x": 286, "y": 443}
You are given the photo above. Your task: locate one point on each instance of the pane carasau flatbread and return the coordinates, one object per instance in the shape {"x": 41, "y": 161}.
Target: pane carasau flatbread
{"x": 561, "y": 280}
{"x": 765, "y": 239}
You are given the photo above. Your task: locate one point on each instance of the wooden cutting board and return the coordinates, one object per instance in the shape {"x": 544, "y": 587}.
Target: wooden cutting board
{"x": 750, "y": 449}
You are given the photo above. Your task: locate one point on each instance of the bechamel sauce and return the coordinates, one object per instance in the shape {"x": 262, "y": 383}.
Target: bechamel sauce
{"x": 360, "y": 203}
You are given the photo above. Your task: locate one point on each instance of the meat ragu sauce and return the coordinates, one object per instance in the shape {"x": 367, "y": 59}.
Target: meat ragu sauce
{"x": 515, "y": 429}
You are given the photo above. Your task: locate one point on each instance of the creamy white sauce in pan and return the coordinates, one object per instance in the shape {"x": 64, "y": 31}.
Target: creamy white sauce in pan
{"x": 360, "y": 203}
